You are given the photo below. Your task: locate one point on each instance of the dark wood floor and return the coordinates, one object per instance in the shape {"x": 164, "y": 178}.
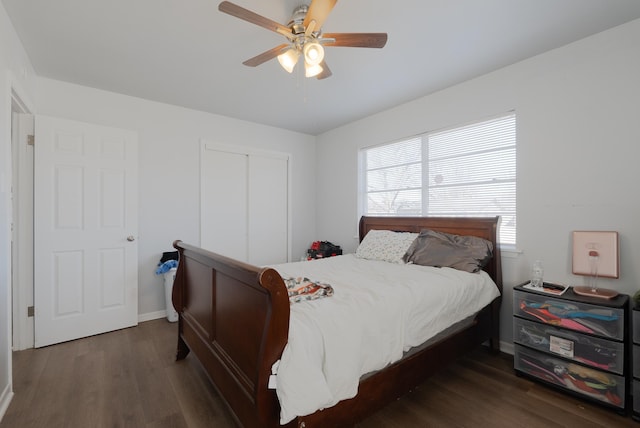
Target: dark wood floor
{"x": 128, "y": 378}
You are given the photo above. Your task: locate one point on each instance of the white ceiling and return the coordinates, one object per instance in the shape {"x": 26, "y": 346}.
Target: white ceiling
{"x": 187, "y": 53}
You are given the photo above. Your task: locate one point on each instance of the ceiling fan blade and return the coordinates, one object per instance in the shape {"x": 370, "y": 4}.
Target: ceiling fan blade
{"x": 265, "y": 56}
{"x": 252, "y": 17}
{"x": 318, "y": 11}
{"x": 356, "y": 40}
{"x": 326, "y": 71}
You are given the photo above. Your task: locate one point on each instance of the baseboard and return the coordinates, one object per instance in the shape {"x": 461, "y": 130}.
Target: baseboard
{"x": 151, "y": 316}
{"x": 506, "y": 347}
{"x": 5, "y": 400}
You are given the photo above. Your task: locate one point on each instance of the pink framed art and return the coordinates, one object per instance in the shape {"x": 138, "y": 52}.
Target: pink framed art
{"x": 595, "y": 253}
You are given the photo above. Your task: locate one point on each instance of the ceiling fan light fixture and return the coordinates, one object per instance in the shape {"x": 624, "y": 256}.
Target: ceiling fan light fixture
{"x": 288, "y": 59}
{"x": 312, "y": 70}
{"x": 304, "y": 37}
{"x": 313, "y": 53}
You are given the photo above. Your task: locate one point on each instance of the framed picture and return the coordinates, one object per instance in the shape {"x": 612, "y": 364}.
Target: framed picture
{"x": 596, "y": 252}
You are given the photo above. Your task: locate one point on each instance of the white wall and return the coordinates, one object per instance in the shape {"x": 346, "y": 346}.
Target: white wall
{"x": 578, "y": 131}
{"x": 15, "y": 71}
{"x": 169, "y": 167}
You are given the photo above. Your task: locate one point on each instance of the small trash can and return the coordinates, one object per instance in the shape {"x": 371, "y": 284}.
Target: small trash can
{"x": 169, "y": 277}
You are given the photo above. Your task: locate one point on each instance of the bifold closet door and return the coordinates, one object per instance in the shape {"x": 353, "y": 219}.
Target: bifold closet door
{"x": 268, "y": 208}
{"x": 244, "y": 204}
{"x": 223, "y": 193}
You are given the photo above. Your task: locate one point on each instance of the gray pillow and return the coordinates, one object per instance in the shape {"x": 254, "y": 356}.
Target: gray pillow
{"x": 440, "y": 249}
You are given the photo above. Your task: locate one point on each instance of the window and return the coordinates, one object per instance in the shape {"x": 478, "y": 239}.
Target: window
{"x": 464, "y": 171}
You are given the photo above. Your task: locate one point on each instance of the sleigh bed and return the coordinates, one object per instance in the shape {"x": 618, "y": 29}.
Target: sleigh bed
{"x": 235, "y": 318}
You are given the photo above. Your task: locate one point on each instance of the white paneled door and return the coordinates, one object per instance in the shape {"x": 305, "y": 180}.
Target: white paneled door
{"x": 85, "y": 230}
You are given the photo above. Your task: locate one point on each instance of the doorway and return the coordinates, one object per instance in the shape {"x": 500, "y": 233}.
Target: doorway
{"x": 22, "y": 125}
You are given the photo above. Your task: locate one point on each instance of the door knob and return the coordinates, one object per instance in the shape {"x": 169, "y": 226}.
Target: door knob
{"x": 130, "y": 238}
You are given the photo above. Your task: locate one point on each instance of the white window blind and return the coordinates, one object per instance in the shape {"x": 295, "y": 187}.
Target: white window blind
{"x": 465, "y": 171}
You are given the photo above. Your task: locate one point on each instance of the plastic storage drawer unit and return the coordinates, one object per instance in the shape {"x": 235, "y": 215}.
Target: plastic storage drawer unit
{"x": 575, "y": 343}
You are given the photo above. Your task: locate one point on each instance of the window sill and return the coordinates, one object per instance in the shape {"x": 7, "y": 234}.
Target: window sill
{"x": 509, "y": 251}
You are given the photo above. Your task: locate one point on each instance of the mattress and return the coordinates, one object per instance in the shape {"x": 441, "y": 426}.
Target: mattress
{"x": 378, "y": 311}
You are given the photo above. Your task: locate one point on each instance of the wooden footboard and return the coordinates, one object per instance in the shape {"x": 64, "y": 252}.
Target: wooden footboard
{"x": 235, "y": 318}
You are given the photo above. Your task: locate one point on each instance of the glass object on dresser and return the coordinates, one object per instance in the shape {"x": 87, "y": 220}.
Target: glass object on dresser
{"x": 537, "y": 273}
{"x": 572, "y": 342}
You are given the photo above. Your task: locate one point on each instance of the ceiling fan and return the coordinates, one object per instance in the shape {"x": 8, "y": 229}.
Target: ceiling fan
{"x": 304, "y": 37}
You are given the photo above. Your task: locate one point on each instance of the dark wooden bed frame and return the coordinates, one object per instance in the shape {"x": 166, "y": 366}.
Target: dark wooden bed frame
{"x": 235, "y": 318}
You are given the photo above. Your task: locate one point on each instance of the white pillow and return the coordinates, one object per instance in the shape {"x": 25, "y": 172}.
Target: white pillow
{"x": 385, "y": 245}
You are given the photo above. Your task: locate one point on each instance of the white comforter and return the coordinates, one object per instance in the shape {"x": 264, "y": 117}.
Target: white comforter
{"x": 378, "y": 311}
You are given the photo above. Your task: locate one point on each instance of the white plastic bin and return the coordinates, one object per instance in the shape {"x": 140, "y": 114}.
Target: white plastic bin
{"x": 172, "y": 314}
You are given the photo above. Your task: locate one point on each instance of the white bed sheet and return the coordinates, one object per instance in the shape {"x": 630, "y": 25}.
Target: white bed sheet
{"x": 378, "y": 311}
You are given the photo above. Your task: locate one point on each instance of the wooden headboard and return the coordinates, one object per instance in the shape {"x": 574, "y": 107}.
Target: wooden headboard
{"x": 483, "y": 227}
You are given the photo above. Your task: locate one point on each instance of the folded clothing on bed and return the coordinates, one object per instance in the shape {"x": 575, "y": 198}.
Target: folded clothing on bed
{"x": 301, "y": 288}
